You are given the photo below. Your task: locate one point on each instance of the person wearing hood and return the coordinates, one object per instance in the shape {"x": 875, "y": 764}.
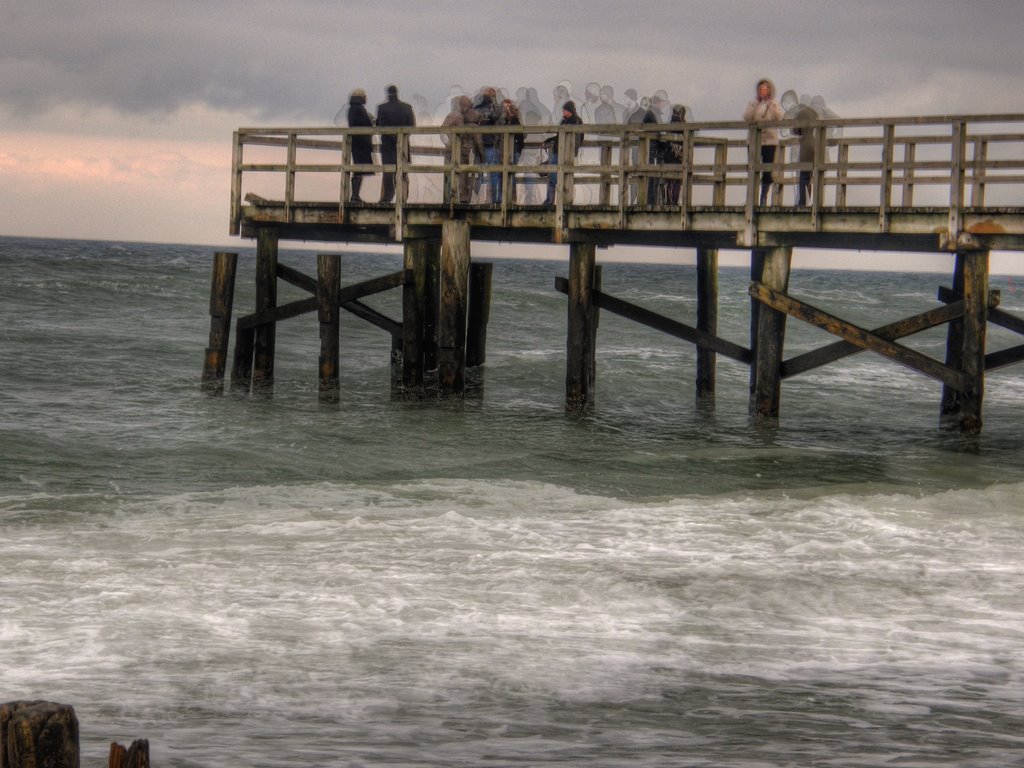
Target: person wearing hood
{"x": 362, "y": 146}
{"x": 569, "y": 117}
{"x": 462, "y": 114}
{"x": 765, "y": 109}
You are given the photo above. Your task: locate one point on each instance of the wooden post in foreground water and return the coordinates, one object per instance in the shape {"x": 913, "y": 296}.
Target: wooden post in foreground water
{"x": 766, "y": 368}
{"x": 135, "y": 756}
{"x": 579, "y": 372}
{"x": 222, "y": 291}
{"x": 328, "y": 272}
{"x": 707, "y": 320}
{"x": 451, "y": 327}
{"x": 38, "y": 733}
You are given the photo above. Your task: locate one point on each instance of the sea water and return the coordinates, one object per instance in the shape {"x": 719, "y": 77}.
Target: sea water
{"x": 275, "y": 582}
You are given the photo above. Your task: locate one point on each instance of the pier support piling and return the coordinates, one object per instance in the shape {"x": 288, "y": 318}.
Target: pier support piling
{"x": 328, "y": 271}
{"x": 222, "y": 291}
{"x": 480, "y": 279}
{"x": 707, "y": 321}
{"x": 266, "y": 298}
{"x": 579, "y": 374}
{"x": 451, "y": 327}
{"x": 767, "y": 339}
{"x": 965, "y": 344}
{"x": 414, "y": 302}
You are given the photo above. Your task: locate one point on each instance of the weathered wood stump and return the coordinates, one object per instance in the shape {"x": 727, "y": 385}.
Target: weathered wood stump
{"x": 135, "y": 756}
{"x": 38, "y": 734}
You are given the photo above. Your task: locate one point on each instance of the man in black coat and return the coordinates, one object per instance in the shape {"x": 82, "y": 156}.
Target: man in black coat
{"x": 390, "y": 114}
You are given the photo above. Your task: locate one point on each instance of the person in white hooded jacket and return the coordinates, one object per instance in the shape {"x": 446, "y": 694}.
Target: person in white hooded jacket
{"x": 765, "y": 109}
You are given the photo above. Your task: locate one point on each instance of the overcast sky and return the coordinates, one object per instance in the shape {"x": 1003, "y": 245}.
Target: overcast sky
{"x": 116, "y": 115}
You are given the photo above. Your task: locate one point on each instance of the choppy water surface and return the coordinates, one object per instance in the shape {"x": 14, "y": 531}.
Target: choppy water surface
{"x": 274, "y": 582}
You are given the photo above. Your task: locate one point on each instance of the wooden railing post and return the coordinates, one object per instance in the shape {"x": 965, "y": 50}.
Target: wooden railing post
{"x": 753, "y": 185}
{"x": 885, "y": 182}
{"x": 956, "y": 180}
{"x": 289, "y": 183}
{"x": 236, "y": 184}
{"x": 345, "y": 185}
{"x": 979, "y": 167}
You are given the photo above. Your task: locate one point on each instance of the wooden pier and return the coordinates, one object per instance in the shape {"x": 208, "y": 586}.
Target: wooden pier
{"x": 949, "y": 184}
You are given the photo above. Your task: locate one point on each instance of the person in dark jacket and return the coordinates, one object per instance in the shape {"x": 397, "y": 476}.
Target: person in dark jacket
{"x": 392, "y": 113}
{"x": 362, "y": 146}
{"x": 569, "y": 117}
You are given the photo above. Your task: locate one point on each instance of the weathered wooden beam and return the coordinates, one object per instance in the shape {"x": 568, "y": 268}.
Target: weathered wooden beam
{"x": 858, "y": 336}
{"x": 638, "y": 314}
{"x": 897, "y": 330}
{"x": 372, "y": 316}
{"x": 222, "y": 291}
{"x": 347, "y": 299}
{"x": 276, "y": 314}
{"x": 769, "y": 336}
{"x": 329, "y": 282}
{"x": 1004, "y": 357}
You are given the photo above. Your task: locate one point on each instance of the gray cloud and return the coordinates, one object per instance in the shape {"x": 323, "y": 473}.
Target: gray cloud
{"x": 295, "y": 61}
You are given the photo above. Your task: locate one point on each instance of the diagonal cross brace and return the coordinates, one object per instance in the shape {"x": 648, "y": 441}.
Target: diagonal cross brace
{"x": 859, "y": 337}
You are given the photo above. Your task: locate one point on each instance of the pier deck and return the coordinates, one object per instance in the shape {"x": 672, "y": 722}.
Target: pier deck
{"x": 951, "y": 184}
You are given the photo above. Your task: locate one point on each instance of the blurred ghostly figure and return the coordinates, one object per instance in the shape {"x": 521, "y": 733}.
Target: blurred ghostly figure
{"x": 609, "y": 111}
{"x": 392, "y": 113}
{"x": 443, "y": 108}
{"x": 561, "y": 94}
{"x": 591, "y": 101}
{"x": 632, "y": 113}
{"x": 661, "y": 105}
{"x": 533, "y": 100}
{"x": 804, "y": 110}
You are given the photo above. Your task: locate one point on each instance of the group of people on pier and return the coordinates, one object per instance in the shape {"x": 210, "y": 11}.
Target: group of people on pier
{"x": 489, "y": 108}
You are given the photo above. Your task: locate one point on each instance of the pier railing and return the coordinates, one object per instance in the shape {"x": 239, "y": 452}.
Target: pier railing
{"x": 703, "y": 176}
